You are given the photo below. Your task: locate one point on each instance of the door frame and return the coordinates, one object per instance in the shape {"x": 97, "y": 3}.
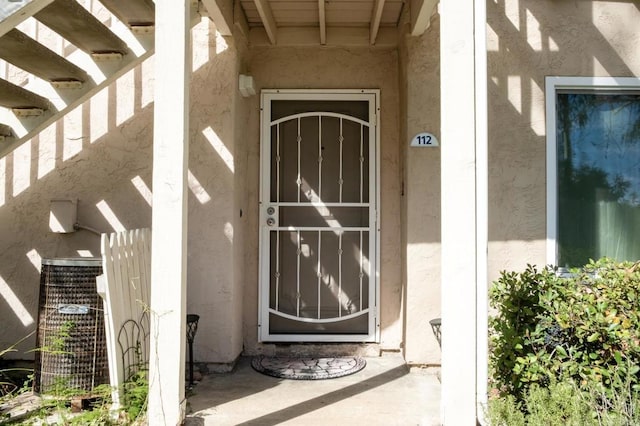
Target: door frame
{"x": 267, "y": 95}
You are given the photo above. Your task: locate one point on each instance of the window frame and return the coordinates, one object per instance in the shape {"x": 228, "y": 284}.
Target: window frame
{"x": 552, "y": 85}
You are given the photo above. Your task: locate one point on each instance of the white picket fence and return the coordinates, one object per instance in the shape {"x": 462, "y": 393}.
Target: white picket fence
{"x": 125, "y": 289}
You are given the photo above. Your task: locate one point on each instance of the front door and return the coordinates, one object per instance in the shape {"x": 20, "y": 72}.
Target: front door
{"x": 318, "y": 216}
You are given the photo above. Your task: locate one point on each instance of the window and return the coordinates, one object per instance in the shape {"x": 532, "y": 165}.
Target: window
{"x": 593, "y": 169}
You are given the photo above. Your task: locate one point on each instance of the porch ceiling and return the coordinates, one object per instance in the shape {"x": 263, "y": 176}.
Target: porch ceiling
{"x": 326, "y": 17}
{"x": 329, "y": 22}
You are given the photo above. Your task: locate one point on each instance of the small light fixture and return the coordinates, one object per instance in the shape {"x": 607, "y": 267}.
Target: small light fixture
{"x": 246, "y": 85}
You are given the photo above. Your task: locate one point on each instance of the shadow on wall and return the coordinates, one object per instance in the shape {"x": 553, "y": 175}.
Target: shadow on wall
{"x": 528, "y": 40}
{"x": 101, "y": 155}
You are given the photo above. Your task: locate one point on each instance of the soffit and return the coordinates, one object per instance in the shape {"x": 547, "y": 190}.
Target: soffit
{"x": 322, "y": 22}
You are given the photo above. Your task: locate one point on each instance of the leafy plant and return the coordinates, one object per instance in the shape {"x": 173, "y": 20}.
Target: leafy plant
{"x": 583, "y": 328}
{"x": 136, "y": 392}
{"x": 565, "y": 404}
{"x": 96, "y": 407}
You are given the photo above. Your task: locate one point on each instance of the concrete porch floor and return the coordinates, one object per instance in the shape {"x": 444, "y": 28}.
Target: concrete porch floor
{"x": 385, "y": 392}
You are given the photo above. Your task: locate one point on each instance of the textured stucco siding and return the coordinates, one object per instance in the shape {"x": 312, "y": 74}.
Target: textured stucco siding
{"x": 101, "y": 154}
{"x": 420, "y": 82}
{"x": 528, "y": 40}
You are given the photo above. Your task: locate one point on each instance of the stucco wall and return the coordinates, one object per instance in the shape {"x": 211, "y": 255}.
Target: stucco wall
{"x": 214, "y": 289}
{"x": 528, "y": 40}
{"x": 97, "y": 154}
{"x": 420, "y": 82}
{"x": 101, "y": 155}
{"x": 294, "y": 68}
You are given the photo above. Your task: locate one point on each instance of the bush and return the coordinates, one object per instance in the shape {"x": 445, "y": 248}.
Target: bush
{"x": 558, "y": 404}
{"x": 582, "y": 329}
{"x": 565, "y": 404}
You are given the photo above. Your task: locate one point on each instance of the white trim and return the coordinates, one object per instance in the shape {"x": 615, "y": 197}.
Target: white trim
{"x": 376, "y": 16}
{"x": 375, "y": 170}
{"x": 372, "y": 96}
{"x": 268, "y": 22}
{"x": 322, "y": 21}
{"x": 167, "y": 401}
{"x": 320, "y": 114}
{"x": 318, "y": 204}
{"x": 335, "y": 36}
{"x": 319, "y": 320}
{"x": 552, "y": 85}
{"x": 482, "y": 212}
{"x": 320, "y": 94}
{"x": 421, "y": 12}
{"x": 461, "y": 150}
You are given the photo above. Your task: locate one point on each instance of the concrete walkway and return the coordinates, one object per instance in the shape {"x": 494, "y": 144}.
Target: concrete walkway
{"x": 385, "y": 392}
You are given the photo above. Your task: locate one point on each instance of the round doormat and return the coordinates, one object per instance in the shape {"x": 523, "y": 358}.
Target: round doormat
{"x": 307, "y": 368}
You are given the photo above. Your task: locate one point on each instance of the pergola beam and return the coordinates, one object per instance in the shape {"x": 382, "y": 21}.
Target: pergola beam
{"x": 421, "y": 12}
{"x": 375, "y": 20}
{"x": 221, "y": 13}
{"x": 266, "y": 15}
{"x": 322, "y": 21}
{"x": 338, "y": 36}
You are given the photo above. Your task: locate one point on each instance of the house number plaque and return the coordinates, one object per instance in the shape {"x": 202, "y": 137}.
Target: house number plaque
{"x": 424, "y": 140}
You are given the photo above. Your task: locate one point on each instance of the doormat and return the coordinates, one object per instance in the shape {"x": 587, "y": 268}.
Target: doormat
{"x": 307, "y": 368}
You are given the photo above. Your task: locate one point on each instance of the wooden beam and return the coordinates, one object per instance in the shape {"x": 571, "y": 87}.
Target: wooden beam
{"x": 5, "y": 130}
{"x": 132, "y": 12}
{"x": 19, "y": 13}
{"x": 375, "y": 21}
{"x": 338, "y": 36}
{"x": 73, "y": 22}
{"x": 12, "y": 96}
{"x": 24, "y": 52}
{"x": 221, "y": 13}
{"x": 421, "y": 12}
{"x": 240, "y": 20}
{"x": 26, "y": 128}
{"x": 264, "y": 10}
{"x": 322, "y": 21}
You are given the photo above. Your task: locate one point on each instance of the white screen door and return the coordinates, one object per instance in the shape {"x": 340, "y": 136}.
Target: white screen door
{"x": 318, "y": 216}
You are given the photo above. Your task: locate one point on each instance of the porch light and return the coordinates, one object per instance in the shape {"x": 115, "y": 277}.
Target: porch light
{"x": 246, "y": 85}
{"x": 63, "y": 214}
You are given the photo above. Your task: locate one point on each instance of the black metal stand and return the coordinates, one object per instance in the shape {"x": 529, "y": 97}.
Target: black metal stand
{"x": 436, "y": 325}
{"x": 192, "y": 328}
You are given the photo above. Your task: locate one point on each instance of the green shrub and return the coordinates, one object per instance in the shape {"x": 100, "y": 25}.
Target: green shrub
{"x": 565, "y": 404}
{"x": 136, "y": 391}
{"x": 583, "y": 328}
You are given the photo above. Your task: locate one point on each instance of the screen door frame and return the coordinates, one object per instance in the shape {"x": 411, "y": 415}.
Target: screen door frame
{"x": 372, "y": 96}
